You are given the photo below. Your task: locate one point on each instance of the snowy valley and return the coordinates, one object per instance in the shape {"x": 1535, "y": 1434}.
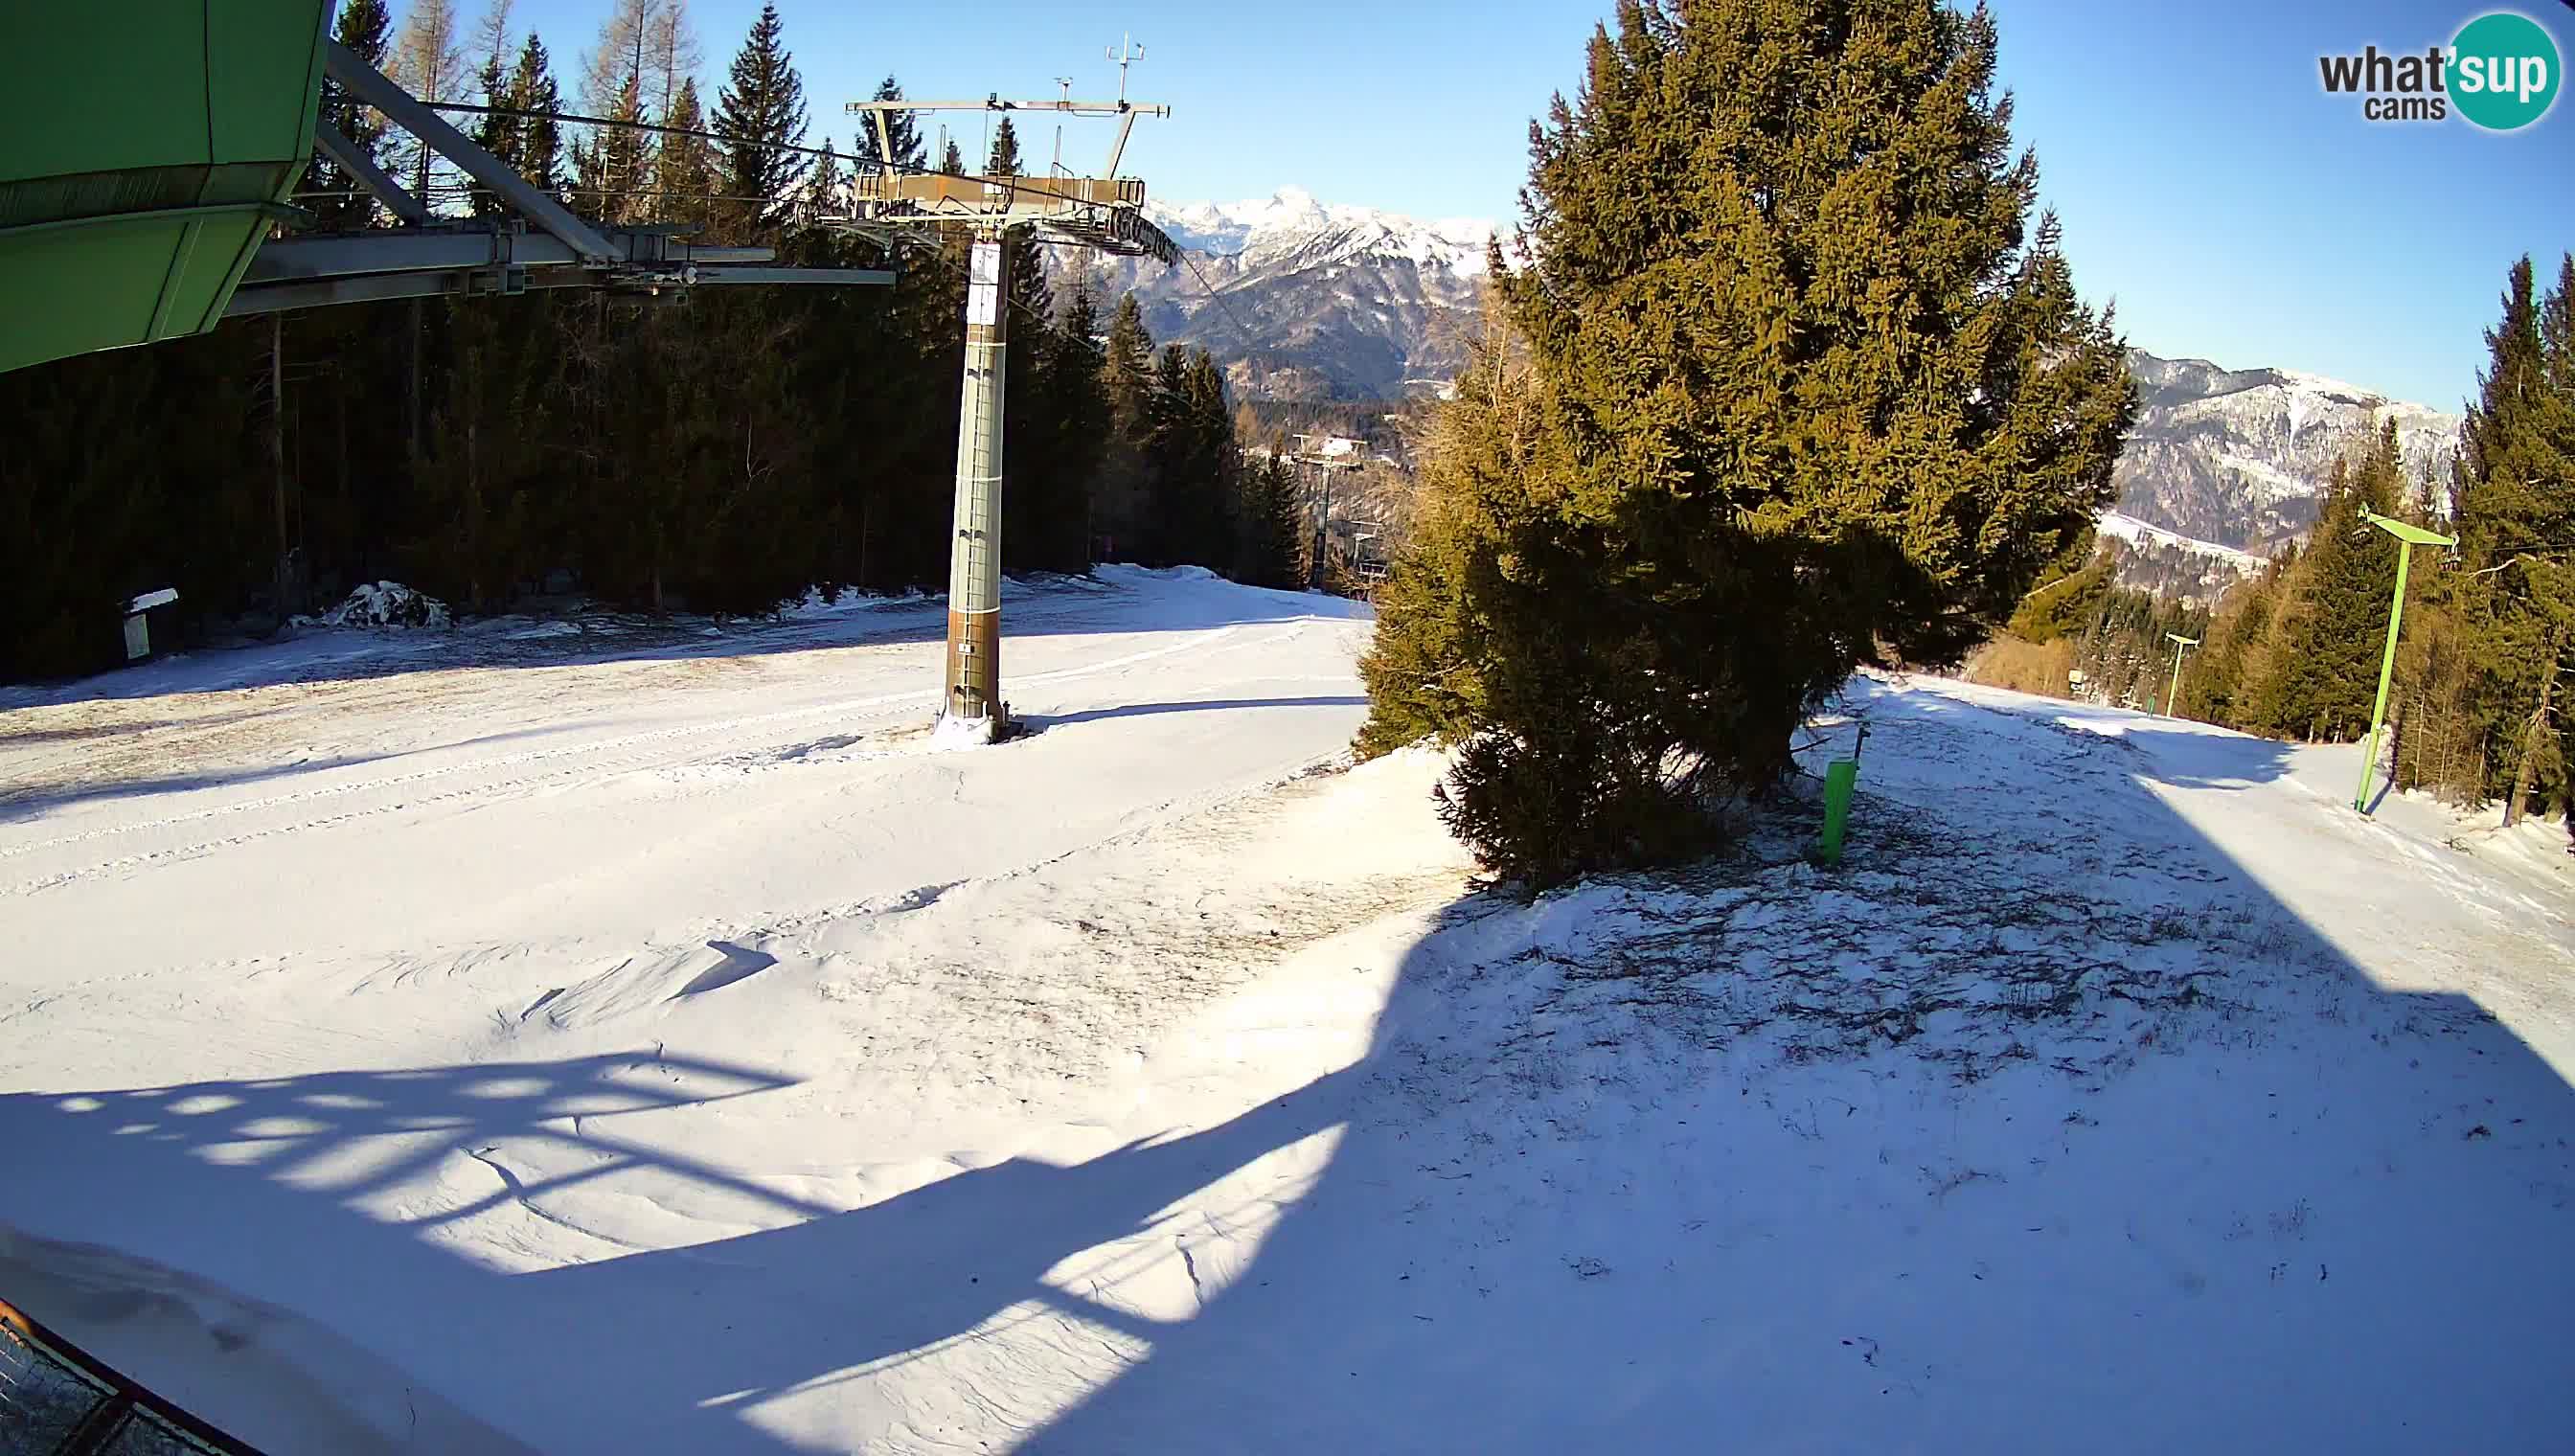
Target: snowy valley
{"x": 605, "y": 1036}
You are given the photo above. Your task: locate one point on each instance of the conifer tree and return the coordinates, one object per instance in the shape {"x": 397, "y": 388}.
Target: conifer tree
{"x": 1209, "y": 493}
{"x": 953, "y": 160}
{"x": 683, "y": 170}
{"x": 1274, "y": 523}
{"x": 619, "y": 178}
{"x": 539, "y": 143}
{"x": 1077, "y": 397}
{"x": 2321, "y": 678}
{"x": 2515, "y": 487}
{"x": 1004, "y": 159}
{"x": 1127, "y": 513}
{"x": 823, "y": 186}
{"x": 495, "y": 133}
{"x": 1813, "y": 391}
{"x": 759, "y": 111}
{"x": 363, "y": 27}
{"x": 901, "y": 125}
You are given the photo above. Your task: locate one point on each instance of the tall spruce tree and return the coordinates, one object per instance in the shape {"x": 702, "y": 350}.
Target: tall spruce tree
{"x": 1129, "y": 521}
{"x": 759, "y": 112}
{"x": 1274, "y": 523}
{"x": 2515, "y": 487}
{"x": 2321, "y": 678}
{"x": 684, "y": 173}
{"x": 494, "y": 132}
{"x": 901, "y": 127}
{"x": 363, "y": 26}
{"x": 539, "y": 144}
{"x": 1078, "y": 396}
{"x": 1813, "y": 391}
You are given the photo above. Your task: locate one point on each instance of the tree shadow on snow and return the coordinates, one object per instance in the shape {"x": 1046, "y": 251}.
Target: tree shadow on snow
{"x": 1964, "y": 1156}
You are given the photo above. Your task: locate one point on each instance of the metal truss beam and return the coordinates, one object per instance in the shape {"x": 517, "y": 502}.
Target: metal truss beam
{"x": 370, "y": 176}
{"x": 369, "y": 85}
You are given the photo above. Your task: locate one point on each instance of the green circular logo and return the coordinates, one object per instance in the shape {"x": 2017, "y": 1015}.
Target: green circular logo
{"x": 2504, "y": 71}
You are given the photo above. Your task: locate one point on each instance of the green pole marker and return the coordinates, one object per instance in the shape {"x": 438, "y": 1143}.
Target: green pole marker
{"x": 1840, "y": 777}
{"x": 2172, "y": 694}
{"x": 2408, "y": 537}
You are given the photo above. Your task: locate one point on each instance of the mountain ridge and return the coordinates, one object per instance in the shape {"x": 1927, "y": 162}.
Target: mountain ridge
{"x": 1303, "y": 300}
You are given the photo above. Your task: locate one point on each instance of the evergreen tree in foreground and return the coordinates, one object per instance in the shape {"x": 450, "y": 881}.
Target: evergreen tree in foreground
{"x": 363, "y": 26}
{"x": 901, "y": 127}
{"x": 540, "y": 137}
{"x": 2321, "y": 678}
{"x": 760, "y": 110}
{"x": 2516, "y": 518}
{"x": 1804, "y": 390}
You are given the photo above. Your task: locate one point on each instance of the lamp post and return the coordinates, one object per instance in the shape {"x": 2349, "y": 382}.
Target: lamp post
{"x": 2407, "y": 537}
{"x": 2172, "y": 694}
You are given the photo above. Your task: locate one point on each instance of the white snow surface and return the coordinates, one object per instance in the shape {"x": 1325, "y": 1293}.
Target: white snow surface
{"x": 627, "y": 1042}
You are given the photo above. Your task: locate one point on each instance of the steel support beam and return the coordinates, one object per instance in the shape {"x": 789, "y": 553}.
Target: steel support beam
{"x": 369, "y": 85}
{"x": 488, "y": 245}
{"x": 370, "y": 176}
{"x": 845, "y": 276}
{"x": 277, "y": 295}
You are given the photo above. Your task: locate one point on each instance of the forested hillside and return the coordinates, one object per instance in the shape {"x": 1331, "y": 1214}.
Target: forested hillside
{"x": 2478, "y": 693}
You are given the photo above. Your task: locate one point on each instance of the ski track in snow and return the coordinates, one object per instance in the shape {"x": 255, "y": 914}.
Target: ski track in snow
{"x": 748, "y": 1083}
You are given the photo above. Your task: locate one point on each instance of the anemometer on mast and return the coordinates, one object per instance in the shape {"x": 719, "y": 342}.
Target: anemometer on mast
{"x": 1103, "y": 213}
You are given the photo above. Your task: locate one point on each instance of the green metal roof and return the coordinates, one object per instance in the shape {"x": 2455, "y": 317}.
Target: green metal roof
{"x": 145, "y": 150}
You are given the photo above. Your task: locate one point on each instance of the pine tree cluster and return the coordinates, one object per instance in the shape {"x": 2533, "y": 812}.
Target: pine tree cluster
{"x": 1785, "y": 384}
{"x": 724, "y": 452}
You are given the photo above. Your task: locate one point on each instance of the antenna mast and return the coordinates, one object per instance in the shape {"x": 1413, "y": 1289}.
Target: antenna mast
{"x": 1125, "y": 53}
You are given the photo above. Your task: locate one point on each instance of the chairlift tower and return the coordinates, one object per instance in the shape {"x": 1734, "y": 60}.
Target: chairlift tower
{"x": 1103, "y": 213}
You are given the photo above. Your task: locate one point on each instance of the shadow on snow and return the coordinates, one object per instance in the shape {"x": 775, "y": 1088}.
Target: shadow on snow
{"x": 1519, "y": 1243}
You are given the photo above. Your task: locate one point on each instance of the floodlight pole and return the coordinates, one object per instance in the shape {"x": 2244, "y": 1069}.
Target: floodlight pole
{"x": 2407, "y": 537}
{"x": 972, "y": 705}
{"x": 2172, "y": 694}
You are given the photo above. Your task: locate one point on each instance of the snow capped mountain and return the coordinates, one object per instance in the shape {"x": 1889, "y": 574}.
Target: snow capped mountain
{"x": 1303, "y": 299}
{"x": 2238, "y": 459}
{"x": 1291, "y": 228}
{"x": 1309, "y": 299}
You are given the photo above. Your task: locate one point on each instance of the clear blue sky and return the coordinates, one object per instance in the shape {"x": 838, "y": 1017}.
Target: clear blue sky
{"x": 2207, "y": 185}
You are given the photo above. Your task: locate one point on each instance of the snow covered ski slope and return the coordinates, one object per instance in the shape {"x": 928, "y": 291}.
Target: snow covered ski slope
{"x": 508, "y": 1040}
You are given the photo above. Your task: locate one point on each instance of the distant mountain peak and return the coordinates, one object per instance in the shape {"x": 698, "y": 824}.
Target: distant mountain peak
{"x": 1291, "y": 222}
{"x": 2229, "y": 463}
{"x": 1304, "y": 299}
